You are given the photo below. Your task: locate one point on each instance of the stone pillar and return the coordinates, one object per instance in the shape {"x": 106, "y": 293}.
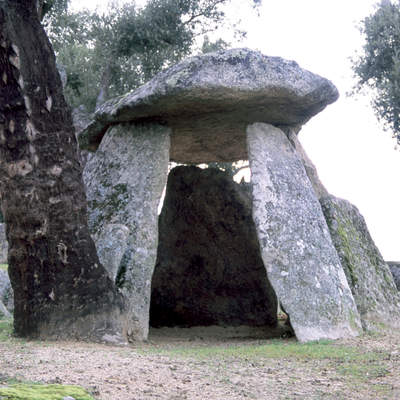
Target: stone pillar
{"x": 296, "y": 247}
{"x": 125, "y": 180}
{"x": 369, "y": 277}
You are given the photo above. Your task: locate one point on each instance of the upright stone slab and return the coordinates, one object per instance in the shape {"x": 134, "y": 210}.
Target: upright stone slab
{"x": 125, "y": 180}
{"x": 369, "y": 277}
{"x": 395, "y": 269}
{"x": 301, "y": 262}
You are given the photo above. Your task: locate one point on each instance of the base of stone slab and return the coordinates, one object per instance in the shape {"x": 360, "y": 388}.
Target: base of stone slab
{"x": 219, "y": 332}
{"x": 310, "y": 334}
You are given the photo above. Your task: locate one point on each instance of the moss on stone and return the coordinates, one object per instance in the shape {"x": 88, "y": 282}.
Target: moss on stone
{"x": 22, "y": 391}
{"x": 350, "y": 262}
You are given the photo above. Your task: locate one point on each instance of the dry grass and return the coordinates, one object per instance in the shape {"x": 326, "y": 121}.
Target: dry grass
{"x": 188, "y": 367}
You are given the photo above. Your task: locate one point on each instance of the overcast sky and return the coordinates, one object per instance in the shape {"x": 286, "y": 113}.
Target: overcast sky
{"x": 355, "y": 159}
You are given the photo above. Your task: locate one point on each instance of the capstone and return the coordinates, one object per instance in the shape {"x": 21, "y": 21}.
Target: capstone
{"x": 208, "y": 101}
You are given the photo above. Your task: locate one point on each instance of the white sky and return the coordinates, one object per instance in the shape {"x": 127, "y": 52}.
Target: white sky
{"x": 355, "y": 159}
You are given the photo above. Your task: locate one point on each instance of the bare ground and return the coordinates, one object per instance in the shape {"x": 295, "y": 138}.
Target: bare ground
{"x": 179, "y": 364}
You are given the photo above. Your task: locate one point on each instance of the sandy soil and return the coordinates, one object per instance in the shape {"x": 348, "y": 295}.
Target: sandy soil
{"x": 174, "y": 366}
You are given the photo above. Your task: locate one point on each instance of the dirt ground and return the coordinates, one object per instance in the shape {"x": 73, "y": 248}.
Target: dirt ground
{"x": 206, "y": 364}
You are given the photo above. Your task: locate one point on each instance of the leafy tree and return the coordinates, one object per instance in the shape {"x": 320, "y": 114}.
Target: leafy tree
{"x": 378, "y": 67}
{"x": 109, "y": 54}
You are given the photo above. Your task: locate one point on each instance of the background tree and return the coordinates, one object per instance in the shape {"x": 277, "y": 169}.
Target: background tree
{"x": 108, "y": 54}
{"x": 378, "y": 67}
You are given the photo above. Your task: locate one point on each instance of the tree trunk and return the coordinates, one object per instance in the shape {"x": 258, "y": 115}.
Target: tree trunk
{"x": 61, "y": 290}
{"x": 103, "y": 95}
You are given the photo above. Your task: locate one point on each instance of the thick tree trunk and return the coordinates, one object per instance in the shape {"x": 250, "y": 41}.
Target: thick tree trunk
{"x": 60, "y": 288}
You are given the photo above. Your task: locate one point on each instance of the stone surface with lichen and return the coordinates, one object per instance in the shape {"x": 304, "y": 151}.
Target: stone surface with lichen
{"x": 208, "y": 100}
{"x": 369, "y": 277}
{"x": 301, "y": 261}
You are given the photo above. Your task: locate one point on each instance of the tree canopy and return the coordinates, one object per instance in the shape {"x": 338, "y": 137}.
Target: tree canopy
{"x": 378, "y": 66}
{"x": 108, "y": 54}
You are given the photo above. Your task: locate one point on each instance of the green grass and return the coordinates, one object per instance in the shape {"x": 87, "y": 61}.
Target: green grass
{"x": 276, "y": 349}
{"x": 23, "y": 391}
{"x": 353, "y": 363}
{"x": 4, "y": 267}
{"x": 6, "y": 329}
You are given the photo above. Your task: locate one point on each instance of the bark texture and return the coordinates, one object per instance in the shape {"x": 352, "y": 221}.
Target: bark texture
{"x": 60, "y": 288}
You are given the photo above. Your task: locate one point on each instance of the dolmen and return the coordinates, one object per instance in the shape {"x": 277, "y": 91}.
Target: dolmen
{"x": 314, "y": 250}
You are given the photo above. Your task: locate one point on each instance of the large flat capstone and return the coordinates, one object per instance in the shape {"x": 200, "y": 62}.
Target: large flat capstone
{"x": 208, "y": 101}
{"x": 125, "y": 180}
{"x": 296, "y": 247}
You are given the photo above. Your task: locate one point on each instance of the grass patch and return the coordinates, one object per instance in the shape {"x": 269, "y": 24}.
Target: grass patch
{"x": 22, "y": 391}
{"x": 275, "y": 349}
{"x": 6, "y": 329}
{"x": 4, "y": 267}
{"x": 355, "y": 364}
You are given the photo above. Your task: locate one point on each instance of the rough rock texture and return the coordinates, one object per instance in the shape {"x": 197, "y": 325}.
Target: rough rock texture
{"x": 302, "y": 264}
{"x": 209, "y": 100}
{"x": 395, "y": 269}
{"x": 209, "y": 269}
{"x": 112, "y": 243}
{"x": 3, "y": 311}
{"x": 125, "y": 180}
{"x": 369, "y": 277}
{"x": 311, "y": 171}
{"x": 6, "y": 292}
{"x": 3, "y": 244}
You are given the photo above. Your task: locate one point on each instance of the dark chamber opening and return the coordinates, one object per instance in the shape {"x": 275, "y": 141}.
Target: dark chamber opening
{"x": 209, "y": 269}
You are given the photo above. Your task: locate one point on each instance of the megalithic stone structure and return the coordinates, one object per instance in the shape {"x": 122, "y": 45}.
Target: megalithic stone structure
{"x": 125, "y": 182}
{"x": 224, "y": 106}
{"x": 296, "y": 247}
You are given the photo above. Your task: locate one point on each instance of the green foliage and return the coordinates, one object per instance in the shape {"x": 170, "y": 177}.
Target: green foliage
{"x": 106, "y": 55}
{"x": 21, "y": 391}
{"x": 378, "y": 67}
{"x": 4, "y": 267}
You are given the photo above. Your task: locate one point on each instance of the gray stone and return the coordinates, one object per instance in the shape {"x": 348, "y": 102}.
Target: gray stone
{"x": 112, "y": 243}
{"x": 301, "y": 261}
{"x": 6, "y": 292}
{"x": 395, "y": 269}
{"x": 209, "y": 100}
{"x": 311, "y": 171}
{"x": 369, "y": 277}
{"x": 3, "y": 244}
{"x": 209, "y": 269}
{"x": 125, "y": 180}
{"x": 4, "y": 313}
